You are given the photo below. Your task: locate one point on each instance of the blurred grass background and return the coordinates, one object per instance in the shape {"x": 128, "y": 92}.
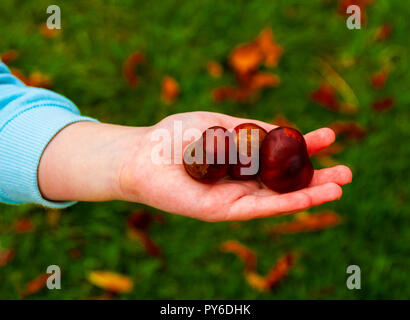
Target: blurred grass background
{"x": 179, "y": 39}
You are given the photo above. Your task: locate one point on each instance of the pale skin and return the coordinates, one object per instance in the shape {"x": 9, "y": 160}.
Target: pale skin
{"x": 89, "y": 161}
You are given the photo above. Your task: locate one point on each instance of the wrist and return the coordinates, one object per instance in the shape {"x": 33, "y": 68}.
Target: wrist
{"x": 84, "y": 161}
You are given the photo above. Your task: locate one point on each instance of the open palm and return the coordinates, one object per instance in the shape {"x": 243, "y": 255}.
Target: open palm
{"x": 169, "y": 188}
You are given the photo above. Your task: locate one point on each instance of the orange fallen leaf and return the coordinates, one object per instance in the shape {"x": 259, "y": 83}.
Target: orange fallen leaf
{"x": 304, "y": 222}
{"x": 269, "y": 48}
{"x": 383, "y": 32}
{"x": 9, "y": 56}
{"x": 281, "y": 121}
{"x": 244, "y": 253}
{"x": 349, "y": 129}
{"x": 6, "y": 256}
{"x": 53, "y": 217}
{"x": 278, "y": 272}
{"x": 49, "y": 33}
{"x": 326, "y": 96}
{"x": 23, "y": 225}
{"x": 383, "y": 104}
{"x": 130, "y": 64}
{"x": 246, "y": 58}
{"x": 36, "y": 79}
{"x": 170, "y": 89}
{"x": 111, "y": 281}
{"x": 262, "y": 80}
{"x": 362, "y": 4}
{"x": 378, "y": 79}
{"x": 35, "y": 285}
{"x": 215, "y": 69}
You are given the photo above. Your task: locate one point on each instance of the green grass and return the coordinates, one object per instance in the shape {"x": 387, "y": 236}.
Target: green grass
{"x": 179, "y": 39}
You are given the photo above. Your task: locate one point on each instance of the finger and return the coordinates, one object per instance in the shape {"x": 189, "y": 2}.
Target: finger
{"x": 319, "y": 139}
{"x": 230, "y": 122}
{"x": 251, "y": 206}
{"x": 340, "y": 175}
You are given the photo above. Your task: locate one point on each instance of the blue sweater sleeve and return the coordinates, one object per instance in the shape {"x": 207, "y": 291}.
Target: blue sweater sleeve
{"x": 29, "y": 118}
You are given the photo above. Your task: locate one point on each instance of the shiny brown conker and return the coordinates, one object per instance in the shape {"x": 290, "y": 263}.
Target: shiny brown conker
{"x": 214, "y": 145}
{"x": 251, "y": 152}
{"x": 284, "y": 161}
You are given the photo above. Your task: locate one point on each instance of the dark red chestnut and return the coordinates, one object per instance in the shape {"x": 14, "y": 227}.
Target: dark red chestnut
{"x": 284, "y": 161}
{"x": 214, "y": 163}
{"x": 244, "y": 147}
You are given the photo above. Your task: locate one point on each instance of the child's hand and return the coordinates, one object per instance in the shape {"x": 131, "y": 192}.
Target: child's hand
{"x": 169, "y": 188}
{"x": 96, "y": 162}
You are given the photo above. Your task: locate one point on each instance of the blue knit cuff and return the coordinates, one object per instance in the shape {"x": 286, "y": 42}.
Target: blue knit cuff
{"x": 22, "y": 142}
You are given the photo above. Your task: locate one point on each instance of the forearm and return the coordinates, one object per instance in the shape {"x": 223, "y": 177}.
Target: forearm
{"x": 84, "y": 161}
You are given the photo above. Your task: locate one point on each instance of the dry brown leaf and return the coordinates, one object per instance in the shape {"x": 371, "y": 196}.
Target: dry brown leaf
{"x": 244, "y": 253}
{"x": 9, "y": 56}
{"x": 53, "y": 217}
{"x": 281, "y": 121}
{"x": 331, "y": 150}
{"x": 111, "y": 281}
{"x": 326, "y": 96}
{"x": 215, "y": 69}
{"x": 307, "y": 222}
{"x": 130, "y": 64}
{"x": 170, "y": 89}
{"x": 49, "y": 33}
{"x": 344, "y": 4}
{"x": 36, "y": 79}
{"x": 349, "y": 129}
{"x": 6, "y": 256}
{"x": 138, "y": 225}
{"x": 383, "y": 32}
{"x": 378, "y": 79}
{"x": 23, "y": 225}
{"x": 269, "y": 48}
{"x": 35, "y": 285}
{"x": 383, "y": 104}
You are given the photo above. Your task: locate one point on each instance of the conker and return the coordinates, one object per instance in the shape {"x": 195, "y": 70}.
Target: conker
{"x": 214, "y": 144}
{"x": 284, "y": 161}
{"x": 251, "y": 151}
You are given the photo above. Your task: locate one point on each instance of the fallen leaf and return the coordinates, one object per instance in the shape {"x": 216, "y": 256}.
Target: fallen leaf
{"x": 35, "y": 285}
{"x": 130, "y": 64}
{"x": 138, "y": 225}
{"x": 269, "y": 48}
{"x": 170, "y": 89}
{"x": 383, "y": 105}
{"x": 262, "y": 80}
{"x": 111, "y": 281}
{"x": 49, "y": 33}
{"x": 349, "y": 129}
{"x": 36, "y": 79}
{"x": 281, "y": 121}
{"x": 383, "y": 32}
{"x": 378, "y": 79}
{"x": 215, "y": 69}
{"x": 307, "y": 222}
{"x": 9, "y": 56}
{"x": 326, "y": 96}
{"x": 6, "y": 256}
{"x": 244, "y": 253}
{"x": 53, "y": 217}
{"x": 246, "y": 58}
{"x": 23, "y": 225}
{"x": 344, "y": 4}
{"x": 278, "y": 272}
{"x": 331, "y": 150}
